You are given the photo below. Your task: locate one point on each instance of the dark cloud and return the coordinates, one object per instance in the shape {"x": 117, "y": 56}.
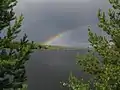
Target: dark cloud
{"x": 43, "y": 20}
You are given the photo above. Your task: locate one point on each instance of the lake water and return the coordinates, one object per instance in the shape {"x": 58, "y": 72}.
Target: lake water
{"x": 46, "y": 69}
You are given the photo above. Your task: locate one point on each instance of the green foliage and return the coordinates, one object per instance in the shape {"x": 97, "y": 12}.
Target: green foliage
{"x": 76, "y": 84}
{"x": 103, "y": 61}
{"x": 12, "y": 59}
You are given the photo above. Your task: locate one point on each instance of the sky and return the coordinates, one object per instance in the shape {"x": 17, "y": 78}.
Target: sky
{"x": 44, "y": 19}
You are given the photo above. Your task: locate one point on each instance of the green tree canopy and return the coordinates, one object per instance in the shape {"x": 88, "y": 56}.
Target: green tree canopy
{"x": 103, "y": 61}
{"x": 12, "y": 59}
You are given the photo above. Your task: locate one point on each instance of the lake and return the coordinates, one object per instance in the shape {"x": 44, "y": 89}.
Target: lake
{"x": 46, "y": 69}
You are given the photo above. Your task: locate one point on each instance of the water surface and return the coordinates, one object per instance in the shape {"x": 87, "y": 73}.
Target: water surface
{"x": 47, "y": 68}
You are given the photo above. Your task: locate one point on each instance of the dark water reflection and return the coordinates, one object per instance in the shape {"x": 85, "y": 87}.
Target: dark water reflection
{"x": 47, "y": 68}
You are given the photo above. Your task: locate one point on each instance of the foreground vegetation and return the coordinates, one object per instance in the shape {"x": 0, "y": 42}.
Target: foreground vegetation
{"x": 104, "y": 68}
{"x": 12, "y": 56}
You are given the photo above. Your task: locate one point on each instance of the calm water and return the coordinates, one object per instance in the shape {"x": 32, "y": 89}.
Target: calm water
{"x": 47, "y": 68}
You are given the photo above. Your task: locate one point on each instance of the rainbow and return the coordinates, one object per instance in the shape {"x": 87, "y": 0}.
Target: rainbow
{"x": 60, "y": 39}
{"x": 63, "y": 39}
{"x": 55, "y": 39}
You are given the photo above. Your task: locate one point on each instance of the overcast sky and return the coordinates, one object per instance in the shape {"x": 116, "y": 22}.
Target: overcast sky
{"x": 47, "y": 18}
